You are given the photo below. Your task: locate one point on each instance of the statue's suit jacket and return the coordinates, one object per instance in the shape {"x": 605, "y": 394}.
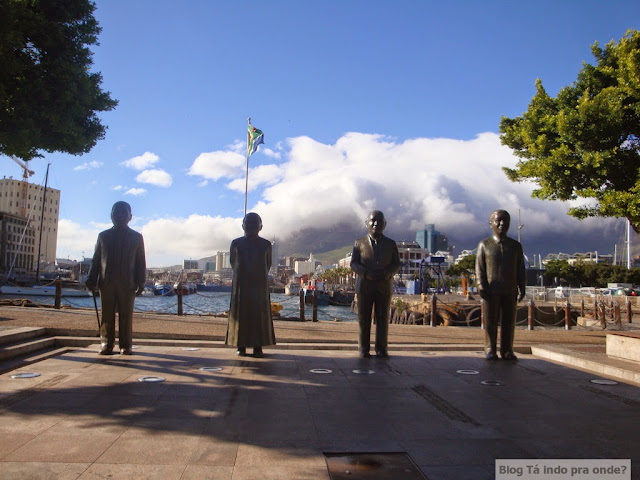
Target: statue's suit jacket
{"x": 130, "y": 272}
{"x": 364, "y": 260}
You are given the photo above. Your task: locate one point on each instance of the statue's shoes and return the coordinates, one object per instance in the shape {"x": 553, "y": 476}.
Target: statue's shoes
{"x": 241, "y": 352}
{"x": 509, "y": 356}
{"x": 491, "y": 356}
{"x": 125, "y": 351}
{"x": 105, "y": 351}
{"x": 257, "y": 352}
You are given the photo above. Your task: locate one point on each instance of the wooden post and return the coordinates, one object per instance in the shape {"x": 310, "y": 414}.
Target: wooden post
{"x": 432, "y": 322}
{"x": 603, "y": 315}
{"x": 314, "y": 317}
{"x": 567, "y": 316}
{"x": 179, "y": 293}
{"x": 530, "y": 315}
{"x": 58, "y": 299}
{"x": 302, "y": 304}
{"x": 629, "y": 311}
{"x": 582, "y": 307}
{"x": 595, "y": 308}
{"x": 617, "y": 316}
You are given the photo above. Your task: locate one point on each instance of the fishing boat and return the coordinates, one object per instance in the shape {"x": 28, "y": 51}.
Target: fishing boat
{"x": 182, "y": 288}
{"x": 292, "y": 288}
{"x": 164, "y": 289}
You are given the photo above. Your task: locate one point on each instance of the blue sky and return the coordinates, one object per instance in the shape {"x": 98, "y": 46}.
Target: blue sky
{"x": 379, "y": 104}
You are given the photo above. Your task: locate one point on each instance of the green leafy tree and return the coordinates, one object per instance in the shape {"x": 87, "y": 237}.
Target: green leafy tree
{"x": 49, "y": 99}
{"x": 466, "y": 267}
{"x": 585, "y": 143}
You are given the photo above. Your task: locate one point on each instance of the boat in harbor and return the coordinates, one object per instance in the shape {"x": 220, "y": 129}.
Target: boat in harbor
{"x": 292, "y": 288}
{"x": 163, "y": 289}
{"x": 212, "y": 287}
{"x": 183, "y": 288}
{"x": 43, "y": 291}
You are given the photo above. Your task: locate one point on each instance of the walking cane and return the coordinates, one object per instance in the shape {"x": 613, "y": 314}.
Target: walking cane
{"x": 95, "y": 304}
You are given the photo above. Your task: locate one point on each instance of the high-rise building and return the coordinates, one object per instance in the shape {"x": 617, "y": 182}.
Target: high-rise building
{"x": 38, "y": 207}
{"x": 431, "y": 239}
{"x": 17, "y": 244}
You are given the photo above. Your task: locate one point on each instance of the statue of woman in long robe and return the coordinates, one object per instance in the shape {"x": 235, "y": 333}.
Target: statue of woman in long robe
{"x": 250, "y": 323}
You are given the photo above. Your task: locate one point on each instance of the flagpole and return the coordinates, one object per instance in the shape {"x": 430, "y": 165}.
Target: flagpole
{"x": 246, "y": 177}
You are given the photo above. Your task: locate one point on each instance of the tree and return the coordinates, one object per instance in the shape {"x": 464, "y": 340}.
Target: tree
{"x": 48, "y": 97}
{"x": 585, "y": 143}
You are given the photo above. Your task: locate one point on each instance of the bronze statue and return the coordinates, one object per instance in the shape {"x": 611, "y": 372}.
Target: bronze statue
{"x": 118, "y": 270}
{"x": 250, "y": 323}
{"x": 501, "y": 281}
{"x": 375, "y": 259}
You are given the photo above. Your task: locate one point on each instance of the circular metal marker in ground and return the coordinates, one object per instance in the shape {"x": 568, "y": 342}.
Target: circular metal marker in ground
{"x": 25, "y": 375}
{"x": 364, "y": 372}
{"x": 321, "y": 370}
{"x": 151, "y": 379}
{"x": 427, "y": 353}
{"x": 492, "y": 383}
{"x": 467, "y": 372}
{"x": 604, "y": 381}
{"x": 190, "y": 349}
{"x": 211, "y": 369}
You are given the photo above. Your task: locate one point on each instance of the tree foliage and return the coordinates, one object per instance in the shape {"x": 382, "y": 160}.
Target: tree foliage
{"x": 589, "y": 274}
{"x": 466, "y": 267}
{"x": 585, "y": 143}
{"x": 49, "y": 99}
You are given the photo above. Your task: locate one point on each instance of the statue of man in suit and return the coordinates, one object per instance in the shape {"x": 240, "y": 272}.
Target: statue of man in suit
{"x": 501, "y": 278}
{"x": 118, "y": 269}
{"x": 375, "y": 259}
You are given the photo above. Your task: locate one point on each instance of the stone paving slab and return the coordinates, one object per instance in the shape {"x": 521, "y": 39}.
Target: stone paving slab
{"x": 88, "y": 416}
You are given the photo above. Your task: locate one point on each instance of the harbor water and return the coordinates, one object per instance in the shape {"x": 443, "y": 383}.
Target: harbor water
{"x": 207, "y": 303}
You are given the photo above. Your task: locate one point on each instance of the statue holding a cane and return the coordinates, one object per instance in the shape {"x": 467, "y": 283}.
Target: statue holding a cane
{"x": 118, "y": 270}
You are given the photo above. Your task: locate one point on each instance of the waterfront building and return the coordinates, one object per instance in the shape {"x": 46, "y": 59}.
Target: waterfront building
{"x": 431, "y": 239}
{"x": 463, "y": 254}
{"x": 24, "y": 199}
{"x": 411, "y": 255}
{"x": 584, "y": 257}
{"x": 222, "y": 261}
{"x": 190, "y": 265}
{"x": 307, "y": 266}
{"x": 17, "y": 244}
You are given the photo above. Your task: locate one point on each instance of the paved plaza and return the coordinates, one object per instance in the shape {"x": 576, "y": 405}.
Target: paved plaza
{"x": 219, "y": 416}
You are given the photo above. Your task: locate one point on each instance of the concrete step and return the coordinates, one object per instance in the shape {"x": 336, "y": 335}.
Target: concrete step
{"x": 24, "y": 347}
{"x": 30, "y": 358}
{"x": 625, "y": 345}
{"x": 18, "y": 334}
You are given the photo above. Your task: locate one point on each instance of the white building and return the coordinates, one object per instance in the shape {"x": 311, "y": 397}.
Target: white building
{"x": 305, "y": 267}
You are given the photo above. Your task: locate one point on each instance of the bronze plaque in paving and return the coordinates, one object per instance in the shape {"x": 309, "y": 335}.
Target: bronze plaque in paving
{"x": 372, "y": 466}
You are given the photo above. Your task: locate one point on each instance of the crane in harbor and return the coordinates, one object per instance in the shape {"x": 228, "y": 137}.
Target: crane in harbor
{"x": 26, "y": 173}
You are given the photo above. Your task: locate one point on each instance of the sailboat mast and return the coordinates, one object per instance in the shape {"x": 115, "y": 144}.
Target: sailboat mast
{"x": 44, "y": 198}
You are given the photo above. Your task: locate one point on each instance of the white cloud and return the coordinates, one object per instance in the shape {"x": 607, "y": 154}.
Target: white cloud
{"x": 75, "y": 240}
{"x": 88, "y": 166}
{"x": 260, "y": 176}
{"x": 218, "y": 164}
{"x": 136, "y": 192}
{"x": 156, "y": 177}
{"x": 203, "y": 183}
{"x": 117, "y": 188}
{"x": 454, "y": 184}
{"x": 146, "y": 160}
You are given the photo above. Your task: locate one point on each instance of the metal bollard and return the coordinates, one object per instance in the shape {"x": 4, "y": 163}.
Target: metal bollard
{"x": 567, "y": 316}
{"x": 603, "y": 315}
{"x": 302, "y": 305}
{"x": 530, "y": 315}
{"x": 483, "y": 314}
{"x": 595, "y": 308}
{"x": 582, "y": 307}
{"x": 629, "y": 311}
